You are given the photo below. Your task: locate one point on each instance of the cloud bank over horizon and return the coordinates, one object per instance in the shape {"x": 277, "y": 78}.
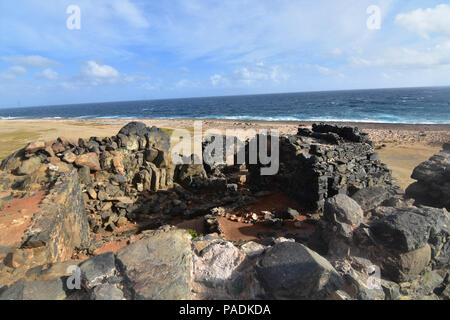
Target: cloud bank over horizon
{"x": 136, "y": 49}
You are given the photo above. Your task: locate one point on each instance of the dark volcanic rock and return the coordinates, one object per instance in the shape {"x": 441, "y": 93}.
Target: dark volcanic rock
{"x": 53, "y": 289}
{"x": 97, "y": 269}
{"x": 409, "y": 229}
{"x": 154, "y": 135}
{"x": 370, "y": 198}
{"x": 433, "y": 181}
{"x": 292, "y": 271}
{"x": 135, "y": 128}
{"x": 158, "y": 267}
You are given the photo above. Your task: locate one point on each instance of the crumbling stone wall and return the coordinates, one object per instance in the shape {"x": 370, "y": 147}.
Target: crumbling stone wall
{"x": 321, "y": 163}
{"x": 58, "y": 229}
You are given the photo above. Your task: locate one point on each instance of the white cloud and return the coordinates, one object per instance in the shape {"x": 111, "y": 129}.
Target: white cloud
{"x": 323, "y": 70}
{"x": 186, "y": 83}
{"x": 130, "y": 13}
{"x": 93, "y": 73}
{"x": 32, "y": 61}
{"x": 48, "y": 74}
{"x": 425, "y": 22}
{"x": 438, "y": 55}
{"x": 218, "y": 80}
{"x": 92, "y": 69}
{"x": 251, "y": 75}
{"x": 259, "y": 72}
{"x": 12, "y": 72}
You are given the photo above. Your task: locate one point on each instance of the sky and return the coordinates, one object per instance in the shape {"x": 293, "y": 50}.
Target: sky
{"x": 142, "y": 49}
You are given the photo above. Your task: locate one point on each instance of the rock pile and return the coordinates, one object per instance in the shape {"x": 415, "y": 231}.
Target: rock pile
{"x": 167, "y": 264}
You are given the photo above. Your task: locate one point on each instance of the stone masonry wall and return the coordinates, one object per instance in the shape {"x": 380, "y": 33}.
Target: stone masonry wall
{"x": 58, "y": 228}
{"x": 319, "y": 164}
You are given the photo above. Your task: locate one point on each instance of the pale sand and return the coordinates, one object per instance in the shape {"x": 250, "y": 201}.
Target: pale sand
{"x": 402, "y": 159}
{"x": 406, "y": 146}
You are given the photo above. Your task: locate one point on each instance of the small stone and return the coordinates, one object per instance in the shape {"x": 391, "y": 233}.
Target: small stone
{"x": 292, "y": 214}
{"x": 92, "y": 193}
{"x": 253, "y": 249}
{"x": 69, "y": 157}
{"x": 122, "y": 221}
{"x": 58, "y": 148}
{"x": 89, "y": 160}
{"x": 391, "y": 289}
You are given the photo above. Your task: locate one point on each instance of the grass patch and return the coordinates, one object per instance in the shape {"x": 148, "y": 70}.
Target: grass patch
{"x": 167, "y": 131}
{"x": 13, "y": 141}
{"x": 194, "y": 234}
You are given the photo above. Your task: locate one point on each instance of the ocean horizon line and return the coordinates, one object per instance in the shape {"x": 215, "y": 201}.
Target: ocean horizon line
{"x": 224, "y": 96}
{"x": 430, "y": 105}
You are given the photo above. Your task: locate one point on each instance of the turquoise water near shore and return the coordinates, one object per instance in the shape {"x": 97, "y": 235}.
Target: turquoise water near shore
{"x": 411, "y": 105}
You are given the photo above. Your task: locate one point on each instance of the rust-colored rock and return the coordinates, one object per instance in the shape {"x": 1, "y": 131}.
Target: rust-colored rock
{"x": 89, "y": 160}
{"x": 35, "y": 146}
{"x": 69, "y": 157}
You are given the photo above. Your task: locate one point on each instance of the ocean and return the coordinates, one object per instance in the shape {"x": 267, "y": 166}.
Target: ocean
{"x": 411, "y": 105}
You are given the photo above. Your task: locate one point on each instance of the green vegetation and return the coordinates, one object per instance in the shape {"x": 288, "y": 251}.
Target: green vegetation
{"x": 168, "y": 131}
{"x": 194, "y": 234}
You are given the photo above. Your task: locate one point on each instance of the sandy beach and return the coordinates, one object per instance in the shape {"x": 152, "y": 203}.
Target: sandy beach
{"x": 401, "y": 146}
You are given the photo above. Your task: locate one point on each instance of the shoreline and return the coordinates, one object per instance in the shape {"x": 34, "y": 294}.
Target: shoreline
{"x": 430, "y": 134}
{"x": 306, "y": 122}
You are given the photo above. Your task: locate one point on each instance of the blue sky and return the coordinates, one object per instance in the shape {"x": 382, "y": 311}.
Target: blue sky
{"x": 141, "y": 49}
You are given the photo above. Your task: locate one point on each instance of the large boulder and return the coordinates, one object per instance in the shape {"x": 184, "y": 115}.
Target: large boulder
{"x": 29, "y": 166}
{"x": 156, "y": 138}
{"x": 96, "y": 269}
{"x": 53, "y": 289}
{"x": 158, "y": 267}
{"x": 290, "y": 270}
{"x": 343, "y": 212}
{"x": 217, "y": 263}
{"x": 433, "y": 181}
{"x": 409, "y": 229}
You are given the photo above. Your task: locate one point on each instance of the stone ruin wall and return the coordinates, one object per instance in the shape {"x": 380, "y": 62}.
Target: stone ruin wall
{"x": 320, "y": 163}
{"x": 57, "y": 229}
